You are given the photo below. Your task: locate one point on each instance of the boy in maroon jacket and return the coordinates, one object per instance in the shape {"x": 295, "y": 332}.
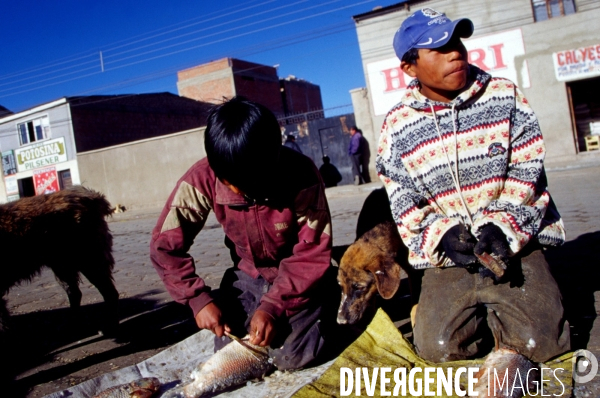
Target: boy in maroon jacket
{"x": 271, "y": 203}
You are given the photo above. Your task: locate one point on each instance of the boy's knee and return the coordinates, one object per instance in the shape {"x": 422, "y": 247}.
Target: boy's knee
{"x": 295, "y": 353}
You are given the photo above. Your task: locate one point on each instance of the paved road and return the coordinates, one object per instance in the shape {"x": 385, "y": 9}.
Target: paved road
{"x": 56, "y": 351}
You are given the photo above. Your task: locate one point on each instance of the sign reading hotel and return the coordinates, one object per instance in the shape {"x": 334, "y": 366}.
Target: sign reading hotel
{"x": 45, "y": 180}
{"x": 580, "y": 63}
{"x": 40, "y": 155}
{"x": 494, "y": 53}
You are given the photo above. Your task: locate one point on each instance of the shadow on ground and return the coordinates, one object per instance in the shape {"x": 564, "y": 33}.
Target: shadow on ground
{"x": 576, "y": 267}
{"x": 49, "y": 345}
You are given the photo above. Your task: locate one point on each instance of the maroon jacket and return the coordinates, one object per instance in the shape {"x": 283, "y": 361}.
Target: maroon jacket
{"x": 288, "y": 241}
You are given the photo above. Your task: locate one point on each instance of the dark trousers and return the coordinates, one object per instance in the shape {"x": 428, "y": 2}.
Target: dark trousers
{"x": 360, "y": 169}
{"x": 460, "y": 313}
{"x": 300, "y": 338}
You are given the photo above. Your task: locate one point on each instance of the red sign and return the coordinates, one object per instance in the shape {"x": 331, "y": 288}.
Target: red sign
{"x": 494, "y": 53}
{"x": 45, "y": 180}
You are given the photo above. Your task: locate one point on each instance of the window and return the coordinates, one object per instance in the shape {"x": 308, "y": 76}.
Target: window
{"x": 546, "y": 9}
{"x": 34, "y": 130}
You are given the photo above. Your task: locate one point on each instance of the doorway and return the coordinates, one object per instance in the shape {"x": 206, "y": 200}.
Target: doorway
{"x": 585, "y": 102}
{"x": 26, "y": 187}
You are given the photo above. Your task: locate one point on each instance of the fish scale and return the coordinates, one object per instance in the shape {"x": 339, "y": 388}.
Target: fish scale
{"x": 234, "y": 364}
{"x": 502, "y": 360}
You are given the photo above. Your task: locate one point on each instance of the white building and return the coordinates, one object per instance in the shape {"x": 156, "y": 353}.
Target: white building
{"x": 38, "y": 156}
{"x": 550, "y": 48}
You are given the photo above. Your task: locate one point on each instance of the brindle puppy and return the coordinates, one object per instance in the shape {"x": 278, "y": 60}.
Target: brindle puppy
{"x": 370, "y": 266}
{"x": 373, "y": 264}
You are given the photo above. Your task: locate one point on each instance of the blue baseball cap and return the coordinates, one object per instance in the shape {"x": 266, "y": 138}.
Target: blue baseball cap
{"x": 428, "y": 28}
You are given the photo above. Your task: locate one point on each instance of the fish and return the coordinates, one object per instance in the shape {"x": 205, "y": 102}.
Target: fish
{"x": 233, "y": 365}
{"x": 141, "y": 388}
{"x": 513, "y": 379}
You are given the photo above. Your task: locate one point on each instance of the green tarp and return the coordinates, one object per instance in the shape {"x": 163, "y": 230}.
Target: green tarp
{"x": 382, "y": 345}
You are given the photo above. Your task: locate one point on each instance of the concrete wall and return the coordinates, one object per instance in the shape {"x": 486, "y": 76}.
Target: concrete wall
{"x": 141, "y": 174}
{"x": 547, "y": 96}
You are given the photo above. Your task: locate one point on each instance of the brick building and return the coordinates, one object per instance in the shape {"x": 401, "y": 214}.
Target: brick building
{"x": 299, "y": 96}
{"x": 229, "y": 77}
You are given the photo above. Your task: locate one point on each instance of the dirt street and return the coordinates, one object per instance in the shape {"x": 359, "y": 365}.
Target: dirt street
{"x": 53, "y": 351}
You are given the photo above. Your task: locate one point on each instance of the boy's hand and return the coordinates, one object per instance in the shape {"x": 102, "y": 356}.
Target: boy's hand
{"x": 262, "y": 328}
{"x": 458, "y": 244}
{"x": 210, "y": 318}
{"x": 493, "y": 241}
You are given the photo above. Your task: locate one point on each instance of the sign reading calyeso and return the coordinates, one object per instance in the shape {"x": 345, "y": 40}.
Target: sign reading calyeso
{"x": 40, "y": 155}
{"x": 494, "y": 53}
{"x": 577, "y": 64}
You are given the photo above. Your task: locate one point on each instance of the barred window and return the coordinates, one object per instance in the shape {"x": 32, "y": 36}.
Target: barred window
{"x": 546, "y": 9}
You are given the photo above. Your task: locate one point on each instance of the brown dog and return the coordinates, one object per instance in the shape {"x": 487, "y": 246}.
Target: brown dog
{"x": 66, "y": 231}
{"x": 369, "y": 266}
{"x": 373, "y": 264}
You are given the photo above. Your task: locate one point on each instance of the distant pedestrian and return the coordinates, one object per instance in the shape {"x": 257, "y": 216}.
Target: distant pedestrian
{"x": 357, "y": 151}
{"x": 291, "y": 143}
{"x": 330, "y": 174}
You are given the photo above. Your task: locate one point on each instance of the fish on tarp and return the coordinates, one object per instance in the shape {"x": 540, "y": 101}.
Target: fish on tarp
{"x": 233, "y": 365}
{"x": 506, "y": 374}
{"x": 141, "y": 388}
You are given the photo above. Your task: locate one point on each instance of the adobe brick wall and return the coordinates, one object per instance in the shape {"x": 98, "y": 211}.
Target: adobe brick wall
{"x": 204, "y": 69}
{"x": 300, "y": 96}
{"x": 211, "y": 91}
{"x": 229, "y": 77}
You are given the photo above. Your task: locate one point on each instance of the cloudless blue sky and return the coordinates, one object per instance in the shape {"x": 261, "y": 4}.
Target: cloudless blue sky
{"x": 51, "y": 49}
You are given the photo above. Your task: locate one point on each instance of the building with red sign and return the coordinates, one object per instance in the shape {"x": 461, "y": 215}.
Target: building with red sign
{"x": 546, "y": 47}
{"x": 42, "y": 147}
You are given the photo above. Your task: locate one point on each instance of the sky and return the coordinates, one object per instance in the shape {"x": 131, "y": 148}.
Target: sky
{"x": 53, "y": 49}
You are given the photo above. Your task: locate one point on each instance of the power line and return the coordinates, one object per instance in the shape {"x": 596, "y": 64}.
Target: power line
{"x": 108, "y": 56}
{"x": 80, "y": 56}
{"x": 178, "y": 51}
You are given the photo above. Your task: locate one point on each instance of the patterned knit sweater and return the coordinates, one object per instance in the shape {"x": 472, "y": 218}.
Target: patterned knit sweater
{"x": 475, "y": 160}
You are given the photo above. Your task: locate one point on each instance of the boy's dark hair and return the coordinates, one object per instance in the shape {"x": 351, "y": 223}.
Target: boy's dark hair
{"x": 242, "y": 142}
{"x": 411, "y": 56}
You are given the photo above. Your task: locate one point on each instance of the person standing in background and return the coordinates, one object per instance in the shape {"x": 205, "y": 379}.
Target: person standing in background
{"x": 356, "y": 151}
{"x": 291, "y": 143}
{"x": 329, "y": 173}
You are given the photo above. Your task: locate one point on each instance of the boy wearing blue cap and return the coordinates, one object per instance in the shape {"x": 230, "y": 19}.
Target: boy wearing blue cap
{"x": 461, "y": 156}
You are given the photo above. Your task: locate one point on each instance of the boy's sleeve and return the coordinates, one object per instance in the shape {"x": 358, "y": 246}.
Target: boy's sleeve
{"x": 181, "y": 220}
{"x": 522, "y": 204}
{"x": 420, "y": 226}
{"x": 300, "y": 273}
